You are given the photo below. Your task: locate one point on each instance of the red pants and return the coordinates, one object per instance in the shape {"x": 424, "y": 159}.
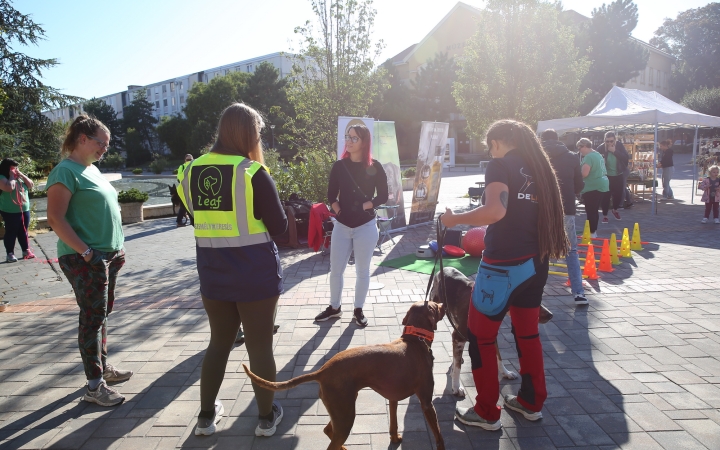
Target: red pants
{"x": 482, "y": 335}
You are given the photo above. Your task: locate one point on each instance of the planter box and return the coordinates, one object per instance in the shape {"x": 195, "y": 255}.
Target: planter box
{"x": 131, "y": 212}
{"x": 407, "y": 184}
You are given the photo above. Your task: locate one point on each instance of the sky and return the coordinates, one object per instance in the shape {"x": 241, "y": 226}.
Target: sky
{"x": 104, "y": 45}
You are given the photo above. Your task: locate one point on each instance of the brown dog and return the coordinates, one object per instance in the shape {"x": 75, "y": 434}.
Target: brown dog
{"x": 458, "y": 289}
{"x": 395, "y": 370}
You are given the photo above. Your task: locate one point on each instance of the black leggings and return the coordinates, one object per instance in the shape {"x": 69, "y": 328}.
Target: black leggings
{"x": 257, "y": 318}
{"x": 617, "y": 190}
{"x": 16, "y": 226}
{"x": 593, "y": 200}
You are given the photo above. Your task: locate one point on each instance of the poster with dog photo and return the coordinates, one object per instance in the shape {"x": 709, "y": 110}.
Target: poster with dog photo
{"x": 433, "y": 138}
{"x": 385, "y": 150}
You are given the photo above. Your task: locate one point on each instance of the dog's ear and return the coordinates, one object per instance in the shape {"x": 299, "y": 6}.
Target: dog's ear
{"x": 439, "y": 314}
{"x": 404, "y": 322}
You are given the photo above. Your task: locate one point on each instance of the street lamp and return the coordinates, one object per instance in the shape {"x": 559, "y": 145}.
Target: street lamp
{"x": 272, "y": 133}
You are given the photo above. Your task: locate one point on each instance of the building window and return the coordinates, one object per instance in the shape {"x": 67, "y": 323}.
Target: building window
{"x": 172, "y": 86}
{"x": 172, "y": 101}
{"x": 180, "y": 84}
{"x": 642, "y": 77}
{"x": 217, "y": 74}
{"x": 651, "y": 77}
{"x": 164, "y": 88}
{"x": 157, "y": 105}
{"x": 165, "y": 102}
{"x": 182, "y": 99}
{"x": 249, "y": 67}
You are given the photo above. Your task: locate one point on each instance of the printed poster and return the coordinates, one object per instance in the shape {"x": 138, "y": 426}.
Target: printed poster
{"x": 344, "y": 123}
{"x": 385, "y": 150}
{"x": 433, "y": 138}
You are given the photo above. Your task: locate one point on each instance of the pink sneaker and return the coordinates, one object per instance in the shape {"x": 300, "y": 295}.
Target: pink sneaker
{"x": 28, "y": 254}
{"x": 616, "y": 214}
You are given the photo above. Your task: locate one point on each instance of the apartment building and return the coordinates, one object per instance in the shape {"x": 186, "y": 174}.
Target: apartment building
{"x": 169, "y": 96}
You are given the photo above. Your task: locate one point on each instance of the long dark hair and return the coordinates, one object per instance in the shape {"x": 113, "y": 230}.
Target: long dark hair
{"x": 364, "y": 134}
{"x": 5, "y": 166}
{"x": 553, "y": 241}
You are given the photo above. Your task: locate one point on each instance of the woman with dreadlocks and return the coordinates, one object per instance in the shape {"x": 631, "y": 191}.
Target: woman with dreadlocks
{"x": 524, "y": 213}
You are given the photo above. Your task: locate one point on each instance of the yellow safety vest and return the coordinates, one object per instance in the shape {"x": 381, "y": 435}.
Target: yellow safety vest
{"x": 180, "y": 170}
{"x": 217, "y": 191}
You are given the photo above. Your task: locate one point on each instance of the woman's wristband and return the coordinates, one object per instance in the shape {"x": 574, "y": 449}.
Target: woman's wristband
{"x": 86, "y": 252}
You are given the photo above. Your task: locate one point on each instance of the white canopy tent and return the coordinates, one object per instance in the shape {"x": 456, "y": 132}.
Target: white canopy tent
{"x": 632, "y": 110}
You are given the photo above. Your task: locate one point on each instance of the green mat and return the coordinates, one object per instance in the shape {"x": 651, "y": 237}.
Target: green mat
{"x": 468, "y": 265}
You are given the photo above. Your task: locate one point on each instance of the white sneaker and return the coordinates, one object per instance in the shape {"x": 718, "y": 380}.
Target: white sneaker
{"x": 593, "y": 235}
{"x": 207, "y": 427}
{"x": 705, "y": 220}
{"x": 267, "y": 427}
{"x": 717, "y": 221}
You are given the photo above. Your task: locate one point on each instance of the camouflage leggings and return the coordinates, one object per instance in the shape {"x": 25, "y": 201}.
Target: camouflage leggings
{"x": 94, "y": 286}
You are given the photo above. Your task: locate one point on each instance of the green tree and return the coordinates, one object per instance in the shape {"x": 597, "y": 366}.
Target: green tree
{"x": 522, "y": 64}
{"x": 24, "y": 130}
{"x": 265, "y": 91}
{"x": 136, "y": 148}
{"x": 615, "y": 55}
{"x": 334, "y": 73}
{"x": 434, "y": 88}
{"x": 694, "y": 39}
{"x": 107, "y": 115}
{"x": 174, "y": 131}
{"x": 706, "y": 101}
{"x": 138, "y": 115}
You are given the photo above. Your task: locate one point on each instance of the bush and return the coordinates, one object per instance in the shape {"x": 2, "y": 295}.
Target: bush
{"x": 133, "y": 196}
{"x": 175, "y": 171}
{"x": 306, "y": 176}
{"x": 37, "y": 193}
{"x": 137, "y": 171}
{"x": 158, "y": 165}
{"x": 409, "y": 173}
{"x": 114, "y": 160}
{"x": 706, "y": 101}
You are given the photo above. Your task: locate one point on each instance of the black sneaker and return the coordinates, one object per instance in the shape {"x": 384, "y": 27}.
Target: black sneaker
{"x": 329, "y": 313}
{"x": 580, "y": 300}
{"x": 360, "y": 317}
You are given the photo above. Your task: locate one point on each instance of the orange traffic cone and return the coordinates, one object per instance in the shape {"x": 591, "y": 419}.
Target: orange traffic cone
{"x": 590, "y": 269}
{"x": 605, "y": 261}
{"x": 614, "y": 250}
{"x": 636, "y": 243}
{"x": 625, "y": 245}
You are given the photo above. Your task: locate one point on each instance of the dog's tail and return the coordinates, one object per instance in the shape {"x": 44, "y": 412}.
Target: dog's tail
{"x": 281, "y": 385}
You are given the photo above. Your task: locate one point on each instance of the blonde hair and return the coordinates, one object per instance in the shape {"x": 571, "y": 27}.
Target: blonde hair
{"x": 713, "y": 167}
{"x": 238, "y": 132}
{"x": 584, "y": 142}
{"x": 82, "y": 125}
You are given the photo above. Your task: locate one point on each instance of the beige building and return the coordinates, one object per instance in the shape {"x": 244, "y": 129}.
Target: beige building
{"x": 453, "y": 31}
{"x": 169, "y": 96}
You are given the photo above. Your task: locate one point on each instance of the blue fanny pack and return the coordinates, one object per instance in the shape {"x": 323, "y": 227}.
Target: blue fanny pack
{"x": 494, "y": 284}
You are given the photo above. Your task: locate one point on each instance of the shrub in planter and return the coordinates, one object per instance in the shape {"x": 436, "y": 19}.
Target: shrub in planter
{"x": 137, "y": 171}
{"x": 158, "y": 165}
{"x": 133, "y": 196}
{"x": 409, "y": 173}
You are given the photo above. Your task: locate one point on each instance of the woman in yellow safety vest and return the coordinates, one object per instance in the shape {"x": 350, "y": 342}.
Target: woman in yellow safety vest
{"x": 236, "y": 209}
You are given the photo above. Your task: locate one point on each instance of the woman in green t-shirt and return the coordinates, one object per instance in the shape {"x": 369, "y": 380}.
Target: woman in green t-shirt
{"x": 15, "y": 208}
{"x": 83, "y": 211}
{"x": 596, "y": 191}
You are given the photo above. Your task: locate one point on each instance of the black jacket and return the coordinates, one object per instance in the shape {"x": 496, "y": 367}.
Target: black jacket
{"x": 621, "y": 155}
{"x": 667, "y": 158}
{"x": 567, "y": 169}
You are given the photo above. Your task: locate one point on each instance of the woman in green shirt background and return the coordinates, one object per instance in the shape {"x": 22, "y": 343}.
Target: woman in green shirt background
{"x": 15, "y": 208}
{"x": 83, "y": 211}
{"x": 596, "y": 191}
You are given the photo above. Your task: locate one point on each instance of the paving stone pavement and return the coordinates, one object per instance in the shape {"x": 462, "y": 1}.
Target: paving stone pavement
{"x": 637, "y": 368}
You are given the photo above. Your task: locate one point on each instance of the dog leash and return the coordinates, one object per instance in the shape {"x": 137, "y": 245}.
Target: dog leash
{"x": 441, "y": 289}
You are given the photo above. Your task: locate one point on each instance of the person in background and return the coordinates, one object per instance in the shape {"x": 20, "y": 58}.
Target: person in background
{"x": 567, "y": 169}
{"x": 15, "y": 208}
{"x": 181, "y": 209}
{"x": 668, "y": 168}
{"x": 83, "y": 210}
{"x": 616, "y": 161}
{"x": 711, "y": 194}
{"x": 524, "y": 214}
{"x": 357, "y": 185}
{"x": 595, "y": 192}
{"x": 236, "y": 208}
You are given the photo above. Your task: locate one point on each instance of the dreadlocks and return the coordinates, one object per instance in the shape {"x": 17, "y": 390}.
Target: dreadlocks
{"x": 553, "y": 241}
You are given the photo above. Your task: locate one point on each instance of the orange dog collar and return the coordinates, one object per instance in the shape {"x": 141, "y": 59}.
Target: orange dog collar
{"x": 419, "y": 332}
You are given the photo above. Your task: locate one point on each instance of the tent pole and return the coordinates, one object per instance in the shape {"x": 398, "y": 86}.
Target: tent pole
{"x": 653, "y": 207}
{"x": 694, "y": 179}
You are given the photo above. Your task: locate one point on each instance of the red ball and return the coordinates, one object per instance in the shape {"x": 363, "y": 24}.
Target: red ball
{"x": 474, "y": 241}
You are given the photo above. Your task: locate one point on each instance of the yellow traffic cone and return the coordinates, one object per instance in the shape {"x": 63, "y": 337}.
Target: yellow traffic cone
{"x": 636, "y": 243}
{"x": 614, "y": 250}
{"x": 625, "y": 245}
{"x": 586, "y": 239}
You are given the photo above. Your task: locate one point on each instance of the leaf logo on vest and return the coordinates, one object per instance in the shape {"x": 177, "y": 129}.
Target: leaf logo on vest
{"x": 213, "y": 188}
{"x": 523, "y": 193}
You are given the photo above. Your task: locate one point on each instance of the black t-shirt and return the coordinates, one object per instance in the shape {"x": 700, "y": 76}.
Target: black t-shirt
{"x": 370, "y": 180}
{"x": 515, "y": 236}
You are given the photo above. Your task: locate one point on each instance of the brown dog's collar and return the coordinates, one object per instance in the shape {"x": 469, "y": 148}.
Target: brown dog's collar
{"x": 419, "y": 332}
